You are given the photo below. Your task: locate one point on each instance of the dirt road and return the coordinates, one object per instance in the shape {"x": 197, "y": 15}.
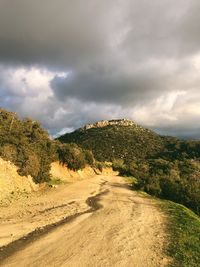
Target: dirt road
{"x": 95, "y": 222}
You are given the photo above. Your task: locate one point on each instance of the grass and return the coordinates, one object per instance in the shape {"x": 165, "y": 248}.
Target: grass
{"x": 184, "y": 233}
{"x": 184, "y": 229}
{"x": 55, "y": 181}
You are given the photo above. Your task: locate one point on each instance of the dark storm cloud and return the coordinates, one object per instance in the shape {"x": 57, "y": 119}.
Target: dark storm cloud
{"x": 98, "y": 85}
{"x": 70, "y": 33}
{"x": 61, "y": 32}
{"x": 116, "y": 58}
{"x": 159, "y": 29}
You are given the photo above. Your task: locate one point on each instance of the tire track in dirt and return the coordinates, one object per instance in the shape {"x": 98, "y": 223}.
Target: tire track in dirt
{"x": 19, "y": 244}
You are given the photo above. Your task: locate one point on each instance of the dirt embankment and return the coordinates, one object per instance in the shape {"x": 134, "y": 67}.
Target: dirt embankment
{"x": 58, "y": 171}
{"x": 12, "y": 184}
{"x": 119, "y": 228}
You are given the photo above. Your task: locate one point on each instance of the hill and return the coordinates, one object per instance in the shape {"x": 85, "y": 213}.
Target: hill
{"x": 162, "y": 166}
{"x": 116, "y": 139}
{"x": 124, "y": 139}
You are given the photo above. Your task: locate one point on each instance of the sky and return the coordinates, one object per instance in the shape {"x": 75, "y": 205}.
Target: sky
{"x": 71, "y": 62}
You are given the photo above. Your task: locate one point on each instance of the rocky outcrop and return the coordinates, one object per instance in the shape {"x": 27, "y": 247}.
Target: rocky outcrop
{"x": 104, "y": 123}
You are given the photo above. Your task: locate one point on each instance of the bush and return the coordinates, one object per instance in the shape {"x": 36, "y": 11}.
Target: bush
{"x": 72, "y": 156}
{"x": 31, "y": 165}
{"x": 27, "y": 145}
{"x": 118, "y": 165}
{"x": 89, "y": 157}
{"x": 9, "y": 152}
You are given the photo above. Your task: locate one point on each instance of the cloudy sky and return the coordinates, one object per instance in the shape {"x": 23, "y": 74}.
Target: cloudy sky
{"x": 69, "y": 62}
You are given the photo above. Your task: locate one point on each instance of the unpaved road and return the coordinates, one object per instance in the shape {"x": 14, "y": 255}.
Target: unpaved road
{"x": 117, "y": 228}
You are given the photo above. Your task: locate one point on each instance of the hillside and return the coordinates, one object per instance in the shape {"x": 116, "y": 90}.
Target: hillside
{"x": 29, "y": 147}
{"x": 116, "y": 139}
{"x": 124, "y": 139}
{"x": 26, "y": 144}
{"x": 165, "y": 167}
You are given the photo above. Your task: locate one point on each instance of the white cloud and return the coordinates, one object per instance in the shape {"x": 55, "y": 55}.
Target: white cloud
{"x": 159, "y": 111}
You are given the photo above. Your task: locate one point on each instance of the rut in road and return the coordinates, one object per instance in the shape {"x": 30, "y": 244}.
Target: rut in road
{"x": 128, "y": 230}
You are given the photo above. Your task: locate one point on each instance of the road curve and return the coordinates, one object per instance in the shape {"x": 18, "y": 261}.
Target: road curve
{"x": 119, "y": 228}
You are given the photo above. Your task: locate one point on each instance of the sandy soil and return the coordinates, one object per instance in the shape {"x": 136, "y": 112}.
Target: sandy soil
{"x": 117, "y": 228}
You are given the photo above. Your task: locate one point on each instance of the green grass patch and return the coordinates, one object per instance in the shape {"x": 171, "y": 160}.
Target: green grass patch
{"x": 184, "y": 229}
{"x": 55, "y": 181}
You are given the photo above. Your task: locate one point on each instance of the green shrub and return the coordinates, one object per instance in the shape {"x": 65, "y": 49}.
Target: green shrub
{"x": 9, "y": 152}
{"x": 89, "y": 157}
{"x": 26, "y": 144}
{"x": 72, "y": 156}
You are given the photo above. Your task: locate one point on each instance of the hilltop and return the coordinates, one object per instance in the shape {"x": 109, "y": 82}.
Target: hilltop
{"x": 104, "y": 123}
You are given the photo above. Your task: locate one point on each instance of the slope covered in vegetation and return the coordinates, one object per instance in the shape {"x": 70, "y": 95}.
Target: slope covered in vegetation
{"x": 163, "y": 166}
{"x": 117, "y": 141}
{"x": 184, "y": 228}
{"x": 26, "y": 144}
